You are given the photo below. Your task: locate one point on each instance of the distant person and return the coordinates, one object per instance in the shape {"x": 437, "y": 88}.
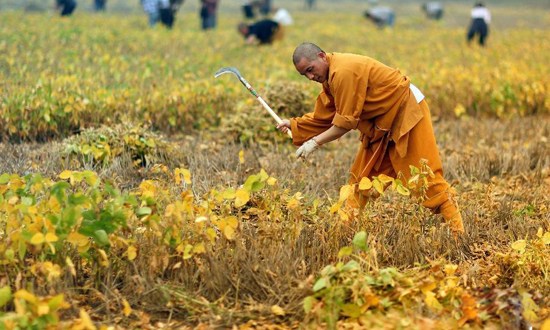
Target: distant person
{"x": 208, "y": 14}
{"x": 381, "y": 16}
{"x": 265, "y": 7}
{"x": 310, "y": 4}
{"x": 433, "y": 10}
{"x": 152, "y": 9}
{"x": 168, "y": 12}
{"x": 481, "y": 18}
{"x": 65, "y": 7}
{"x": 99, "y": 5}
{"x": 248, "y": 9}
{"x": 282, "y": 16}
{"x": 263, "y": 32}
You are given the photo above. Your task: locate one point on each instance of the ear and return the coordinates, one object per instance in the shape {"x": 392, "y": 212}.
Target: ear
{"x": 322, "y": 56}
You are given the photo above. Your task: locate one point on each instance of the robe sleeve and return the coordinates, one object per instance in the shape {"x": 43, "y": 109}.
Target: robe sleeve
{"x": 316, "y": 122}
{"x": 349, "y": 90}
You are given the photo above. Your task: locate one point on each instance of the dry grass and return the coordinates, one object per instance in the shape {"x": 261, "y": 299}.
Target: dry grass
{"x": 502, "y": 181}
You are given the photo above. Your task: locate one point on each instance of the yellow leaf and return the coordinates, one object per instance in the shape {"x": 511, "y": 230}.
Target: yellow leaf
{"x": 241, "y": 156}
{"x": 26, "y": 295}
{"x": 546, "y": 238}
{"x": 545, "y": 324}
{"x": 179, "y": 172}
{"x": 187, "y": 252}
{"x": 127, "y": 310}
{"x": 402, "y": 190}
{"x": 345, "y": 191}
{"x": 104, "y": 259}
{"x": 186, "y": 176}
{"x": 70, "y": 264}
{"x": 43, "y": 309}
{"x": 132, "y": 253}
{"x": 271, "y": 181}
{"x": 428, "y": 287}
{"x": 263, "y": 175}
{"x": 232, "y": 222}
{"x": 432, "y": 302}
{"x": 77, "y": 239}
{"x": 530, "y": 308}
{"x": 519, "y": 245}
{"x": 37, "y": 238}
{"x": 384, "y": 178}
{"x": 211, "y": 234}
{"x": 86, "y": 321}
{"x": 459, "y": 110}
{"x": 335, "y": 207}
{"x": 365, "y": 184}
{"x": 200, "y": 219}
{"x": 229, "y": 193}
{"x": 229, "y": 232}
{"x": 293, "y": 203}
{"x": 277, "y": 310}
{"x": 65, "y": 174}
{"x": 199, "y": 248}
{"x": 51, "y": 237}
{"x": 450, "y": 269}
{"x": 343, "y": 215}
{"x": 241, "y": 197}
{"x": 378, "y": 186}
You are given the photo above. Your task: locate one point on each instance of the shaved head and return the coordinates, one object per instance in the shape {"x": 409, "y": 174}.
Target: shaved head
{"x": 306, "y": 50}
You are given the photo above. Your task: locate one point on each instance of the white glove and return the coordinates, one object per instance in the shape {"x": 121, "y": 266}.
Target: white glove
{"x": 307, "y": 148}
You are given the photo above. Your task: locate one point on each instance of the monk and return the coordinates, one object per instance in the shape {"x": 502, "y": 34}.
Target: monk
{"x": 390, "y": 113}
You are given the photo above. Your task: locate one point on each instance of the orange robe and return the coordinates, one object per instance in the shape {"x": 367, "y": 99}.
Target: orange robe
{"x": 396, "y": 131}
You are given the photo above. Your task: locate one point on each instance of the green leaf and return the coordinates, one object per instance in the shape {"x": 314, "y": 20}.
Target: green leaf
{"x": 351, "y": 265}
{"x": 250, "y": 182}
{"x": 360, "y": 241}
{"x": 5, "y": 295}
{"x": 100, "y": 236}
{"x": 77, "y": 199}
{"x": 143, "y": 211}
{"x": 28, "y": 201}
{"x": 4, "y": 178}
{"x": 345, "y": 251}
{"x": 320, "y": 284}
{"x": 351, "y": 310}
{"x": 309, "y": 302}
{"x": 58, "y": 190}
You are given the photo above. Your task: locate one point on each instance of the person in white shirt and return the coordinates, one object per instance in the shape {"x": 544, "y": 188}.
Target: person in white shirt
{"x": 433, "y": 9}
{"x": 282, "y": 16}
{"x": 481, "y": 18}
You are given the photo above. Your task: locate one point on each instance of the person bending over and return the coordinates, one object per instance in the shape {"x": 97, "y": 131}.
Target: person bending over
{"x": 361, "y": 93}
{"x": 262, "y": 32}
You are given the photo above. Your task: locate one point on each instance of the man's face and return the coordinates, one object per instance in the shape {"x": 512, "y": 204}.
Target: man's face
{"x": 316, "y": 70}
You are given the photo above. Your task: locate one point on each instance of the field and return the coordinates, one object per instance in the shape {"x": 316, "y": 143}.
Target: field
{"x": 138, "y": 191}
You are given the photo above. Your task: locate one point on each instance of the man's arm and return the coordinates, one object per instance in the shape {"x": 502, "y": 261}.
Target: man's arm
{"x": 251, "y": 40}
{"x": 331, "y": 134}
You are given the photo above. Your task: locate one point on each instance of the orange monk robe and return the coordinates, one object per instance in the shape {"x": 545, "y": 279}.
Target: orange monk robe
{"x": 396, "y": 131}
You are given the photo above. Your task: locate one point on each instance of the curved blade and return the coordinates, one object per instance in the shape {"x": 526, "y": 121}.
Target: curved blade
{"x": 228, "y": 69}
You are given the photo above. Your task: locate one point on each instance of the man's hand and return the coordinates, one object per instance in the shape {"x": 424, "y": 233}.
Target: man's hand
{"x": 307, "y": 148}
{"x": 284, "y": 126}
